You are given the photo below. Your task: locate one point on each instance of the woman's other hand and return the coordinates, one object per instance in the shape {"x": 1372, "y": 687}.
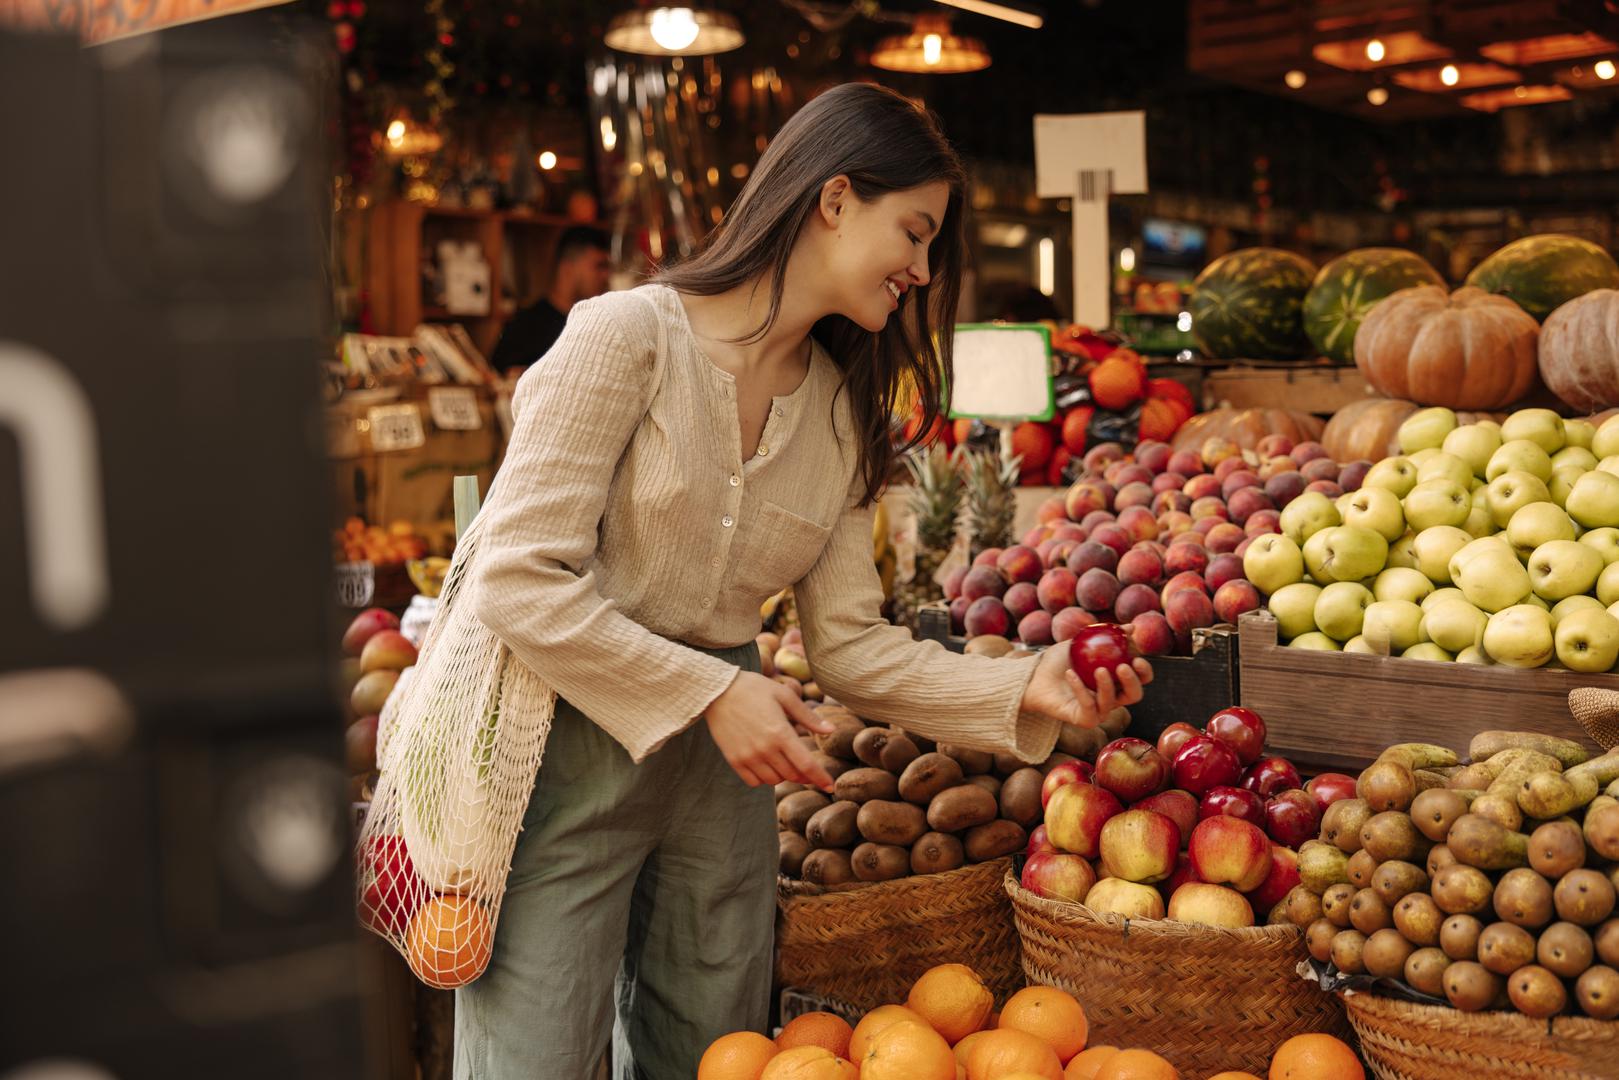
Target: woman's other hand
{"x": 752, "y": 724}
{"x": 1057, "y": 693}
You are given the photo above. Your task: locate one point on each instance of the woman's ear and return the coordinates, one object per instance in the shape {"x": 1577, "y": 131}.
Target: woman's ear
{"x": 836, "y": 195}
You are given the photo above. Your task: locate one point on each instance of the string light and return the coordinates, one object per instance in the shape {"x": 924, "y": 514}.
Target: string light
{"x": 1295, "y": 79}
{"x": 1375, "y": 50}
{"x": 1449, "y": 75}
{"x": 1604, "y": 69}
{"x": 1377, "y": 95}
{"x": 547, "y": 160}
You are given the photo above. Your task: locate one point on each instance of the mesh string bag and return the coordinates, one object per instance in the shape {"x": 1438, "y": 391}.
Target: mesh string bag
{"x": 459, "y": 745}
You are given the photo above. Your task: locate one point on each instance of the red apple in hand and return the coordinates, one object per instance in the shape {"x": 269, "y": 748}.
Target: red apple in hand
{"x": 1140, "y": 846}
{"x": 1176, "y": 805}
{"x": 1038, "y": 842}
{"x": 1292, "y": 818}
{"x": 1069, "y": 772}
{"x": 1242, "y": 729}
{"x": 1232, "y": 802}
{"x": 1058, "y": 876}
{"x": 1131, "y": 769}
{"x": 1284, "y": 874}
{"x": 1205, "y": 763}
{"x": 1271, "y": 775}
{"x": 1075, "y": 816}
{"x": 1173, "y": 737}
{"x": 1101, "y": 645}
{"x": 1329, "y": 787}
{"x": 1230, "y": 851}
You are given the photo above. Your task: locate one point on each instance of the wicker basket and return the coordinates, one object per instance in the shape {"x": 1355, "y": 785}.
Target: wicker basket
{"x": 1402, "y": 1040}
{"x": 1207, "y": 999}
{"x": 865, "y": 945}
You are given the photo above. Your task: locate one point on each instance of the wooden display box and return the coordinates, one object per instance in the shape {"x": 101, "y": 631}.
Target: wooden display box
{"x": 1310, "y": 388}
{"x": 1339, "y": 710}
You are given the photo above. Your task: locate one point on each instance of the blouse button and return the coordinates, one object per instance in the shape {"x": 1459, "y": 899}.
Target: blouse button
{"x": 735, "y": 480}
{"x": 763, "y": 450}
{"x": 779, "y": 411}
{"x": 708, "y": 601}
{"x": 727, "y": 521}
{"x": 715, "y": 562}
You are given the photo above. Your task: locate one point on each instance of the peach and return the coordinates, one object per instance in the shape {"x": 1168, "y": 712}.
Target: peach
{"x": 952, "y": 582}
{"x": 1236, "y": 481}
{"x": 1210, "y": 506}
{"x": 1246, "y": 502}
{"x": 1044, "y": 549}
{"x": 1189, "y": 609}
{"x": 1097, "y": 589}
{"x": 1325, "y": 487}
{"x": 1131, "y": 473}
{"x": 1174, "y": 522}
{"x": 1233, "y": 598}
{"x": 1185, "y": 462}
{"x": 958, "y": 614}
{"x": 1222, "y": 568}
{"x": 1070, "y": 531}
{"x": 1051, "y": 511}
{"x": 1319, "y": 469}
{"x": 1284, "y": 487}
{"x": 1057, "y": 589}
{"x": 1224, "y": 537}
{"x": 1092, "y": 554}
{"x": 1134, "y": 600}
{"x": 1261, "y": 522}
{"x": 1095, "y": 518}
{"x": 1274, "y": 446}
{"x": 1201, "y": 487}
{"x": 1036, "y": 536}
{"x": 1021, "y": 599}
{"x": 1154, "y": 455}
{"x": 371, "y": 692}
{"x": 1129, "y": 495}
{"x": 987, "y": 557}
{"x": 1166, "y": 501}
{"x": 1059, "y": 552}
{"x": 1202, "y": 525}
{"x": 1275, "y": 466}
{"x": 1185, "y": 579}
{"x": 1211, "y": 905}
{"x": 982, "y": 581}
{"x": 987, "y": 615}
{"x": 1086, "y": 497}
{"x": 387, "y": 650}
{"x": 1140, "y": 568}
{"x": 1066, "y": 623}
{"x": 366, "y": 625}
{"x": 1352, "y": 475}
{"x": 1183, "y": 557}
{"x": 1169, "y": 481}
{"x": 1035, "y": 628}
{"x": 1151, "y": 635}
{"x": 1139, "y": 522}
{"x": 1153, "y": 546}
{"x": 1019, "y": 563}
{"x": 1101, "y": 455}
{"x": 1113, "y": 536}
{"x": 1226, "y": 466}
{"x": 1242, "y": 548}
{"x": 1229, "y": 851}
{"x": 1308, "y": 451}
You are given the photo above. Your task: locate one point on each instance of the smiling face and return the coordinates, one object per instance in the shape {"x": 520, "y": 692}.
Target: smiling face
{"x": 876, "y": 251}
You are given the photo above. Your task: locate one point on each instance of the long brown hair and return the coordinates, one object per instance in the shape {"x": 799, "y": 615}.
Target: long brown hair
{"x": 883, "y": 142}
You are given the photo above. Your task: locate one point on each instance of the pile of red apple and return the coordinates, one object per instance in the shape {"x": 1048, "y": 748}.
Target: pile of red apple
{"x": 1153, "y": 540}
{"x": 1204, "y": 827}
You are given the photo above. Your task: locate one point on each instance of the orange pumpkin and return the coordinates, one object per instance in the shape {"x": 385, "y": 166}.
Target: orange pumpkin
{"x": 1467, "y": 349}
{"x": 1579, "y": 351}
{"x": 1367, "y": 430}
{"x": 1246, "y": 427}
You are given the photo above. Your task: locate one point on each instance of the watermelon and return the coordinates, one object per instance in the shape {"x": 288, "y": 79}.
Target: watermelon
{"x": 1246, "y": 305}
{"x": 1348, "y": 286}
{"x": 1541, "y": 273}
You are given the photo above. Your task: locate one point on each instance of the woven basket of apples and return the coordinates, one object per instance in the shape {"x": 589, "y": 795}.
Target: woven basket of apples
{"x": 1158, "y": 885}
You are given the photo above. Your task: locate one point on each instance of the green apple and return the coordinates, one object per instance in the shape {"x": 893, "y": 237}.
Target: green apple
{"x": 1307, "y": 515}
{"x": 1519, "y": 455}
{"x": 1474, "y": 548}
{"x": 1294, "y": 608}
{"x": 1398, "y": 622}
{"x": 1492, "y": 579}
{"x": 1476, "y": 483}
{"x": 1579, "y": 433}
{"x": 1560, "y": 568}
{"x": 1440, "y": 596}
{"x": 1570, "y": 604}
{"x": 1401, "y": 583}
{"x": 1606, "y": 541}
{"x": 1519, "y": 636}
{"x": 1542, "y": 427}
{"x": 1594, "y": 502}
{"x": 1444, "y": 466}
{"x": 1401, "y": 553}
{"x": 1377, "y": 509}
{"x": 1511, "y": 491}
{"x": 1341, "y": 504}
{"x": 1395, "y": 473}
{"x": 1422, "y": 457}
{"x": 1437, "y": 502}
{"x": 1345, "y": 553}
{"x": 1425, "y": 428}
{"x": 1536, "y": 524}
{"x": 1609, "y": 464}
{"x": 1587, "y": 640}
{"x": 1613, "y": 609}
{"x": 1539, "y": 602}
{"x": 1473, "y": 654}
{"x": 1315, "y": 640}
{"x": 1454, "y": 625}
{"x": 1474, "y": 444}
{"x": 1359, "y": 644}
{"x": 1272, "y": 562}
{"x": 1479, "y": 523}
{"x": 1606, "y": 441}
{"x": 1340, "y": 608}
{"x": 1577, "y": 456}
{"x": 1562, "y": 483}
{"x": 1433, "y": 549}
{"x": 1607, "y": 586}
{"x": 1426, "y": 650}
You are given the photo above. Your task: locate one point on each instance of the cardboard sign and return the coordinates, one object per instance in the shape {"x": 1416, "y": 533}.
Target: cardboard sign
{"x": 454, "y": 408}
{"x": 1002, "y": 371}
{"x": 395, "y": 427}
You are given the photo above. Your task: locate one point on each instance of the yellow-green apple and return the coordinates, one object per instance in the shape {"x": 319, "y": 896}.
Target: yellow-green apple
{"x": 1341, "y": 504}
{"x": 1058, "y": 876}
{"x": 1510, "y": 492}
{"x": 1345, "y": 553}
{"x": 1607, "y": 586}
{"x": 1292, "y": 818}
{"x": 1479, "y": 521}
{"x": 1474, "y": 444}
{"x": 1205, "y": 763}
{"x": 1433, "y": 549}
{"x": 1398, "y": 622}
{"x": 1519, "y": 455}
{"x": 1437, "y": 502}
{"x": 387, "y": 650}
{"x": 1359, "y": 644}
{"x": 1140, "y": 845}
{"x": 1403, "y": 551}
{"x": 1609, "y": 464}
{"x": 1576, "y": 457}
{"x": 1131, "y": 769}
{"x": 1307, "y": 515}
{"x": 1561, "y": 485}
{"x": 1425, "y": 428}
{"x": 1520, "y": 636}
{"x": 1426, "y": 650}
{"x": 1606, "y": 439}
{"x": 1397, "y": 474}
{"x": 1474, "y": 548}
{"x": 1444, "y": 466}
{"x": 1210, "y": 905}
{"x": 1176, "y": 805}
{"x": 1492, "y": 579}
{"x": 1474, "y": 654}
{"x": 1422, "y": 457}
{"x": 1537, "y": 524}
{"x": 1272, "y": 562}
{"x": 1063, "y": 774}
{"x": 1377, "y": 509}
{"x": 1560, "y": 568}
{"x": 1117, "y": 896}
{"x": 1568, "y": 605}
{"x": 1316, "y": 641}
{"x": 1441, "y": 596}
{"x": 1605, "y": 540}
{"x": 1539, "y": 602}
{"x": 1587, "y": 640}
{"x": 1594, "y": 501}
{"x": 1294, "y": 608}
{"x": 1232, "y": 801}
{"x": 1613, "y": 609}
{"x": 1579, "y": 433}
{"x": 1075, "y": 816}
{"x": 1454, "y": 624}
{"x": 1401, "y": 583}
{"x": 1542, "y": 427}
{"x": 1283, "y": 876}
{"x": 1341, "y": 607}
{"x": 371, "y": 691}
{"x": 1229, "y": 851}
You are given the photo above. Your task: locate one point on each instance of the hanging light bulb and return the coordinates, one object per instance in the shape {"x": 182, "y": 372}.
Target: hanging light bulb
{"x": 1377, "y": 95}
{"x": 1604, "y": 69}
{"x": 547, "y": 160}
{"x": 1375, "y": 50}
{"x": 932, "y": 49}
{"x": 1295, "y": 79}
{"x": 1450, "y": 75}
{"x": 674, "y": 31}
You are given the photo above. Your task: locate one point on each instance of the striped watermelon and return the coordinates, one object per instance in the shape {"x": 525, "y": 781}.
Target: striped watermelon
{"x": 1348, "y": 286}
{"x": 1246, "y": 305}
{"x": 1544, "y": 272}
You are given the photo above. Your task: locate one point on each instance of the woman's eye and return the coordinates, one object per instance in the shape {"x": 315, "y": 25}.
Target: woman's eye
{"x": 914, "y": 238}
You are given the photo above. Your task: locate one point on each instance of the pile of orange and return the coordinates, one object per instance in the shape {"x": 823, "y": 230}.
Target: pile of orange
{"x": 948, "y": 1030}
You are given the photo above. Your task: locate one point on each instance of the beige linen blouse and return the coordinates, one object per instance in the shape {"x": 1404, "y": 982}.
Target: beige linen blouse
{"x": 624, "y": 522}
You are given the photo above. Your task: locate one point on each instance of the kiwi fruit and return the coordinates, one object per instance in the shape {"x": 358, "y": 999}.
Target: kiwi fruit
{"x": 960, "y": 808}
{"x": 937, "y": 852}
{"x": 1524, "y": 898}
{"x": 1335, "y": 903}
{"x": 1303, "y": 906}
{"x": 1391, "y": 835}
{"x": 1469, "y": 987}
{"x": 789, "y": 787}
{"x": 1537, "y": 992}
{"x": 988, "y": 781}
{"x": 1387, "y": 785}
{"x": 971, "y": 761}
{"x": 897, "y": 823}
{"x": 1053, "y": 761}
{"x": 1504, "y": 948}
{"x": 1368, "y": 913}
{"x": 1418, "y": 918}
{"x": 1458, "y": 937}
{"x": 1342, "y": 822}
{"x": 1606, "y": 941}
{"x": 834, "y": 766}
{"x": 1597, "y": 991}
{"x": 1461, "y": 890}
{"x": 1385, "y": 954}
{"x": 839, "y": 742}
{"x": 928, "y": 775}
{"x": 1584, "y": 897}
{"x": 828, "y": 866}
{"x": 991, "y": 841}
{"x": 868, "y": 745}
{"x": 1425, "y": 971}
{"x": 1439, "y": 858}
{"x": 1318, "y": 939}
{"x": 795, "y": 810}
{"x": 864, "y": 785}
{"x": 1395, "y": 879}
{"x": 794, "y": 849}
{"x": 1020, "y": 797}
{"x": 833, "y": 826}
{"x": 1565, "y": 950}
{"x": 1361, "y": 866}
{"x": 1079, "y": 741}
{"x": 1007, "y": 764}
{"x": 1347, "y": 951}
{"x": 880, "y": 862}
{"x": 898, "y": 752}
{"x": 1434, "y": 811}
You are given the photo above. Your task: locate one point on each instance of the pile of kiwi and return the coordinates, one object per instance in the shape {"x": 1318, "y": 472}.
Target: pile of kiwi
{"x": 1490, "y": 884}
{"x": 905, "y": 805}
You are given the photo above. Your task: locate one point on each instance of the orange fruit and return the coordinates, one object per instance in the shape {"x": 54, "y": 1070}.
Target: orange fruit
{"x": 1315, "y": 1057}
{"x": 741, "y": 1055}
{"x": 1006, "y": 1052}
{"x": 952, "y": 999}
{"x": 1233, "y": 1076}
{"x": 1050, "y": 1014}
{"x": 872, "y": 1023}
{"x": 907, "y": 1050}
{"x": 817, "y": 1029}
{"x": 964, "y": 1048}
{"x": 1137, "y": 1065}
{"x": 809, "y": 1063}
{"x": 1088, "y": 1062}
{"x": 450, "y": 941}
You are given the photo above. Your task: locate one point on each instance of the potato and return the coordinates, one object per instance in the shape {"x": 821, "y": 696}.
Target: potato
{"x": 1053, "y": 761}
{"x": 795, "y": 810}
{"x": 863, "y": 785}
{"x": 971, "y": 761}
{"x": 962, "y": 807}
{"x": 880, "y": 862}
{"x": 936, "y": 853}
{"x": 828, "y": 866}
{"x": 927, "y": 776}
{"x": 833, "y": 826}
{"x": 1020, "y": 797}
{"x": 884, "y": 822}
{"x": 993, "y": 840}
{"x": 794, "y": 848}
{"x": 839, "y": 742}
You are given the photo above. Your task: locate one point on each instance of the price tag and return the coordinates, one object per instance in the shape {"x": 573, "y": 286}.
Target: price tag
{"x": 356, "y": 583}
{"x": 395, "y": 427}
{"x": 1002, "y": 371}
{"x": 454, "y": 408}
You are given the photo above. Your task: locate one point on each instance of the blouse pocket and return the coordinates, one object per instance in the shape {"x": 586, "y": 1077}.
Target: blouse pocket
{"x": 777, "y": 551}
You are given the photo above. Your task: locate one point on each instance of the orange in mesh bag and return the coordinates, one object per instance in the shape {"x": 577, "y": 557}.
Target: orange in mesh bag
{"x": 458, "y": 747}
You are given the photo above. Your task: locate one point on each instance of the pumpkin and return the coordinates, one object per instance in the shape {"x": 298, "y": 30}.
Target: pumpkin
{"x": 1467, "y": 349}
{"x": 1579, "y": 351}
{"x": 1246, "y": 427}
{"x": 1368, "y": 430}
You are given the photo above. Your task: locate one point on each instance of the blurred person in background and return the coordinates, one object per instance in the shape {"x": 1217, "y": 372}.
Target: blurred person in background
{"x": 583, "y": 266}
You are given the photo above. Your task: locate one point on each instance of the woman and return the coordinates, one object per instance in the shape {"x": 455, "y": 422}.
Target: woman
{"x": 683, "y": 452}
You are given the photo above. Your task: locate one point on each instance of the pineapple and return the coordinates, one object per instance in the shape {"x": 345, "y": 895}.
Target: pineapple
{"x": 991, "y": 499}
{"x": 935, "y": 503}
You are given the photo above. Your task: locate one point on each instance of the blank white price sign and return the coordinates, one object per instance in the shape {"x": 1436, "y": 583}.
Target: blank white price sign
{"x": 395, "y": 427}
{"x": 1002, "y": 372}
{"x": 454, "y": 408}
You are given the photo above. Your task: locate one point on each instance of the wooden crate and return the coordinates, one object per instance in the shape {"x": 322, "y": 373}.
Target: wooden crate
{"x": 1339, "y": 710}
{"x": 1312, "y": 389}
